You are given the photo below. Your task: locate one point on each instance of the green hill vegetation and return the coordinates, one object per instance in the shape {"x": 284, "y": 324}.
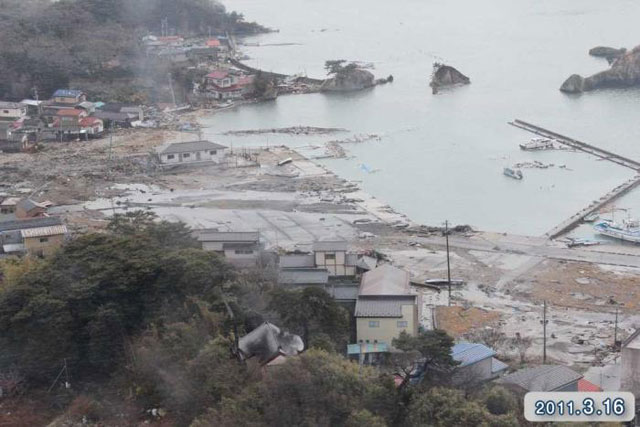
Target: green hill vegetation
{"x": 93, "y": 44}
{"x": 133, "y": 325}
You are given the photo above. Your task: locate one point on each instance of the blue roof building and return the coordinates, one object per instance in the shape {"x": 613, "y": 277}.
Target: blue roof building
{"x": 476, "y": 363}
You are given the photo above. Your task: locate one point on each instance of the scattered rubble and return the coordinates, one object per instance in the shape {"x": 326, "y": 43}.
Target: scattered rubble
{"x": 293, "y": 130}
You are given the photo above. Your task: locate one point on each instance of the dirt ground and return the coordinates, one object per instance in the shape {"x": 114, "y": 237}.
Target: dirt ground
{"x": 458, "y": 320}
{"x": 583, "y": 286}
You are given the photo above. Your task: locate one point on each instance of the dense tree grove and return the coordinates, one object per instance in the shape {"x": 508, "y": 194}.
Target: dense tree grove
{"x": 49, "y": 45}
{"x": 145, "y": 323}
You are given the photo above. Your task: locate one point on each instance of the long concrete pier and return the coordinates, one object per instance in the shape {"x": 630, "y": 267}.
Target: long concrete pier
{"x": 596, "y": 205}
{"x": 578, "y": 145}
{"x": 620, "y": 190}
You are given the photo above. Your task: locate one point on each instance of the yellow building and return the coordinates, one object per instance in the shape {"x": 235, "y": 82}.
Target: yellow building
{"x": 386, "y": 306}
{"x": 34, "y": 236}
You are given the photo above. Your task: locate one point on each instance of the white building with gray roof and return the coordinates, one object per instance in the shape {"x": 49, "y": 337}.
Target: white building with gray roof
{"x": 192, "y": 152}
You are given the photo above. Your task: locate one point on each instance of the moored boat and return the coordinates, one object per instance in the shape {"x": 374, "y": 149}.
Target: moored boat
{"x": 573, "y": 242}
{"x": 628, "y": 231}
{"x": 513, "y": 173}
{"x": 537, "y": 144}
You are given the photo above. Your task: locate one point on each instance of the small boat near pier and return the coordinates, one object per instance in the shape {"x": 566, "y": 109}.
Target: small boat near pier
{"x": 513, "y": 173}
{"x": 538, "y": 144}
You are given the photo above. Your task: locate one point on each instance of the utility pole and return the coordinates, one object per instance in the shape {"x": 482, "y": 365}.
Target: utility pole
{"x": 110, "y": 148}
{"x": 173, "y": 94}
{"x": 615, "y": 331}
{"x": 446, "y": 236}
{"x": 544, "y": 333}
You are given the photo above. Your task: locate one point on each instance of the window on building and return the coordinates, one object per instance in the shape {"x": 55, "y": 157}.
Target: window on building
{"x": 5, "y": 111}
{"x": 403, "y": 324}
{"x": 170, "y": 156}
{"x": 44, "y": 239}
{"x": 213, "y": 152}
{"x": 185, "y": 155}
{"x": 374, "y": 323}
{"x": 330, "y": 257}
{"x": 243, "y": 251}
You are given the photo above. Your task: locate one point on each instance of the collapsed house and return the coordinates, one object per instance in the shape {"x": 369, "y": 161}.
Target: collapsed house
{"x": 269, "y": 345}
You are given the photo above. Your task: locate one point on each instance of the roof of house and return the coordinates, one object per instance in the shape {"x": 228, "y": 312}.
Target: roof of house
{"x": 267, "y": 341}
{"x": 365, "y": 262}
{"x": 584, "y": 385}
{"x": 542, "y": 378}
{"x": 343, "y": 292}
{"x": 297, "y": 261}
{"x": 330, "y": 246}
{"x": 31, "y": 102}
{"x": 113, "y": 116}
{"x": 382, "y": 307}
{"x": 229, "y": 236}
{"x": 632, "y": 340}
{"x": 218, "y": 74}
{"x": 12, "y": 105}
{"x": 53, "y": 230}
{"x": 24, "y": 224}
{"x": 213, "y": 43}
{"x": 88, "y": 121}
{"x": 301, "y": 276}
{"x": 28, "y": 204}
{"x": 385, "y": 280}
{"x": 497, "y": 366}
{"x": 10, "y": 201}
{"x": 70, "y": 112}
{"x": 469, "y": 353}
{"x": 13, "y": 247}
{"x": 67, "y": 93}
{"x": 187, "y": 147}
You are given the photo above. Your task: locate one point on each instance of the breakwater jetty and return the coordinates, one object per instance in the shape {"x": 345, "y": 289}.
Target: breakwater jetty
{"x": 601, "y": 153}
{"x": 578, "y": 145}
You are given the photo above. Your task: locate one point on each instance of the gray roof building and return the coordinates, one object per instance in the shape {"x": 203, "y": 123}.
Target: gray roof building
{"x": 385, "y": 280}
{"x": 190, "y": 147}
{"x": 382, "y": 307}
{"x": 24, "y": 224}
{"x": 542, "y": 378}
{"x": 297, "y": 261}
{"x": 330, "y": 246}
{"x": 229, "y": 236}
{"x": 303, "y": 276}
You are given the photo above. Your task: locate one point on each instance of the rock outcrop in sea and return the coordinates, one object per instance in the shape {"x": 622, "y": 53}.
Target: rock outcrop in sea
{"x": 445, "y": 75}
{"x": 624, "y": 72}
{"x": 351, "y": 80}
{"x": 610, "y": 53}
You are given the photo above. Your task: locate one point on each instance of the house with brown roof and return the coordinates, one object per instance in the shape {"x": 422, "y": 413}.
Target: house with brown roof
{"x": 27, "y": 208}
{"x": 386, "y": 306}
{"x": 33, "y": 236}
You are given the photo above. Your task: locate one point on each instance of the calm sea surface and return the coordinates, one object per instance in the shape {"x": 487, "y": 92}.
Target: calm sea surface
{"x": 441, "y": 156}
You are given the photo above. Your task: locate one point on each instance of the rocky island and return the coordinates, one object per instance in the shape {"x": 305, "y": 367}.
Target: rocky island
{"x": 346, "y": 77}
{"x": 610, "y": 53}
{"x": 624, "y": 72}
{"x": 445, "y": 75}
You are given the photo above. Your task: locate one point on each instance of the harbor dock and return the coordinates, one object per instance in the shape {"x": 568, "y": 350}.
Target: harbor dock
{"x": 578, "y": 145}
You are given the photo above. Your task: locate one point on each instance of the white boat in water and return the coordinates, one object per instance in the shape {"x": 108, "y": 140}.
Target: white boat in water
{"x": 513, "y": 173}
{"x": 628, "y": 231}
{"x": 537, "y": 144}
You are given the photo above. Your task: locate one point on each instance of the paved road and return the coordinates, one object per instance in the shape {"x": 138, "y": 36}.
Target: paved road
{"x": 537, "y": 247}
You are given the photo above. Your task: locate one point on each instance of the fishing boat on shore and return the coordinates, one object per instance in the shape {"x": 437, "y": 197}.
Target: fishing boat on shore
{"x": 628, "y": 231}
{"x": 573, "y": 242}
{"x": 513, "y": 173}
{"x": 538, "y": 144}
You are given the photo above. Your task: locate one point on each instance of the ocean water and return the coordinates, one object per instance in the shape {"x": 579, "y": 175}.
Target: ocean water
{"x": 441, "y": 156}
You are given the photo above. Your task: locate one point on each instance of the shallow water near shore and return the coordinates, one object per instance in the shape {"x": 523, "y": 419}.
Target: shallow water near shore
{"x": 441, "y": 156}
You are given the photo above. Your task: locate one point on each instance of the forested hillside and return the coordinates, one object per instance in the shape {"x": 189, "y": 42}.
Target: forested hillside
{"x": 46, "y": 45}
